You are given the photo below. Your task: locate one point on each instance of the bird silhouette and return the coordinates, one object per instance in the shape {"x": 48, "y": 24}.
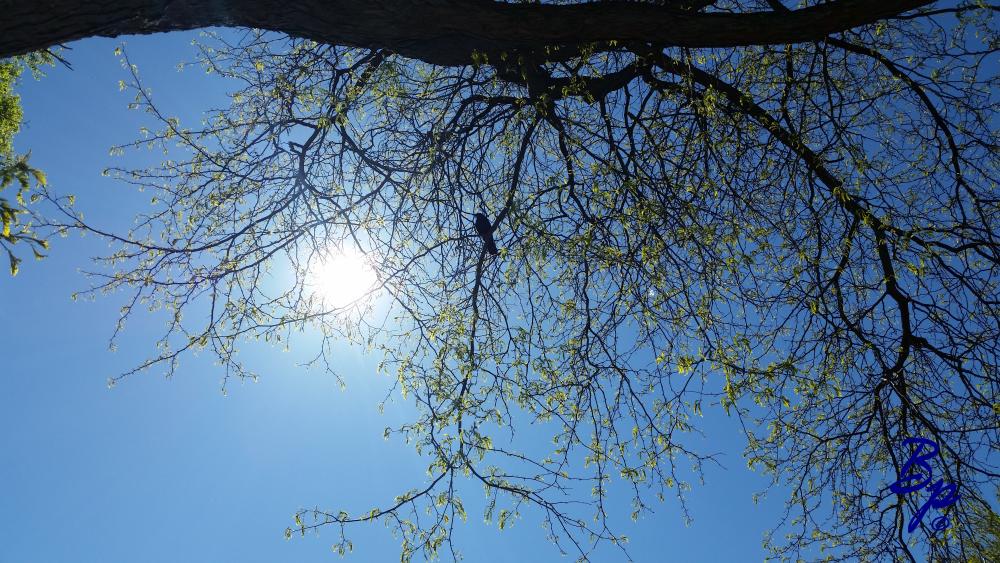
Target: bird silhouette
{"x": 485, "y": 232}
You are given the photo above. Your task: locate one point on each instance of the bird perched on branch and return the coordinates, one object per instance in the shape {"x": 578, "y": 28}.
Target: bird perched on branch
{"x": 485, "y": 232}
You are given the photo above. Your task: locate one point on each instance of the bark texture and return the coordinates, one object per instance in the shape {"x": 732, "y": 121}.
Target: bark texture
{"x": 443, "y": 32}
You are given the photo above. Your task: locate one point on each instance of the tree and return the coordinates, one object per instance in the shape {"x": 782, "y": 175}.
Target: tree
{"x": 790, "y": 215}
{"x": 986, "y": 529}
{"x": 15, "y": 168}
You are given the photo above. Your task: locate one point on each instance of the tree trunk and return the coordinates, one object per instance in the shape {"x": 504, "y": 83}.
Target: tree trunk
{"x": 443, "y": 32}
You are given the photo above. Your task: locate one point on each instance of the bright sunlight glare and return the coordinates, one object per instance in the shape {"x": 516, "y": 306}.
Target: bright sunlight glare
{"x": 340, "y": 278}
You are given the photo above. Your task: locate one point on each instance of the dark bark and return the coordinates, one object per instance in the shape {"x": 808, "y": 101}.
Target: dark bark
{"x": 443, "y": 32}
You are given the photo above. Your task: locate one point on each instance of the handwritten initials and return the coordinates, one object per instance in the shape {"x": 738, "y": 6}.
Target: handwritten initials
{"x": 916, "y": 474}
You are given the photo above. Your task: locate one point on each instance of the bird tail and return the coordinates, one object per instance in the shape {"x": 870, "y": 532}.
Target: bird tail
{"x": 491, "y": 247}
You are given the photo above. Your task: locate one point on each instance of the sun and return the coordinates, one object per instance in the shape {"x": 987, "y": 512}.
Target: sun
{"x": 341, "y": 278}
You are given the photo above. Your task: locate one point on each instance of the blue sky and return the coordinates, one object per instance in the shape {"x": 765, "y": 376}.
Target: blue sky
{"x": 172, "y": 470}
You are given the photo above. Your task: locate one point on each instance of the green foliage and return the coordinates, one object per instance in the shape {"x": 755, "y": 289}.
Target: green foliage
{"x": 15, "y": 172}
{"x": 986, "y": 530}
{"x": 10, "y": 106}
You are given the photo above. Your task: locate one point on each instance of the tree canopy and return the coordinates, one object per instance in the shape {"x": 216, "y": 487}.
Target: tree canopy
{"x": 986, "y": 526}
{"x": 14, "y": 168}
{"x": 788, "y": 214}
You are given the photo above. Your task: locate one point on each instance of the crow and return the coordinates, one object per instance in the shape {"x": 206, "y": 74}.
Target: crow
{"x": 485, "y": 232}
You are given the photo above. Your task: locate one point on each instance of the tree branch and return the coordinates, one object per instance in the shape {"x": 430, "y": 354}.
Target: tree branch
{"x": 442, "y": 32}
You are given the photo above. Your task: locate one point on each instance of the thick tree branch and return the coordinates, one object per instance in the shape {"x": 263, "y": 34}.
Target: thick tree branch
{"x": 443, "y": 32}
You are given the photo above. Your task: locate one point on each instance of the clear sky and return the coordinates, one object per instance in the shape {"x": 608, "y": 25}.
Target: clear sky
{"x": 171, "y": 470}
